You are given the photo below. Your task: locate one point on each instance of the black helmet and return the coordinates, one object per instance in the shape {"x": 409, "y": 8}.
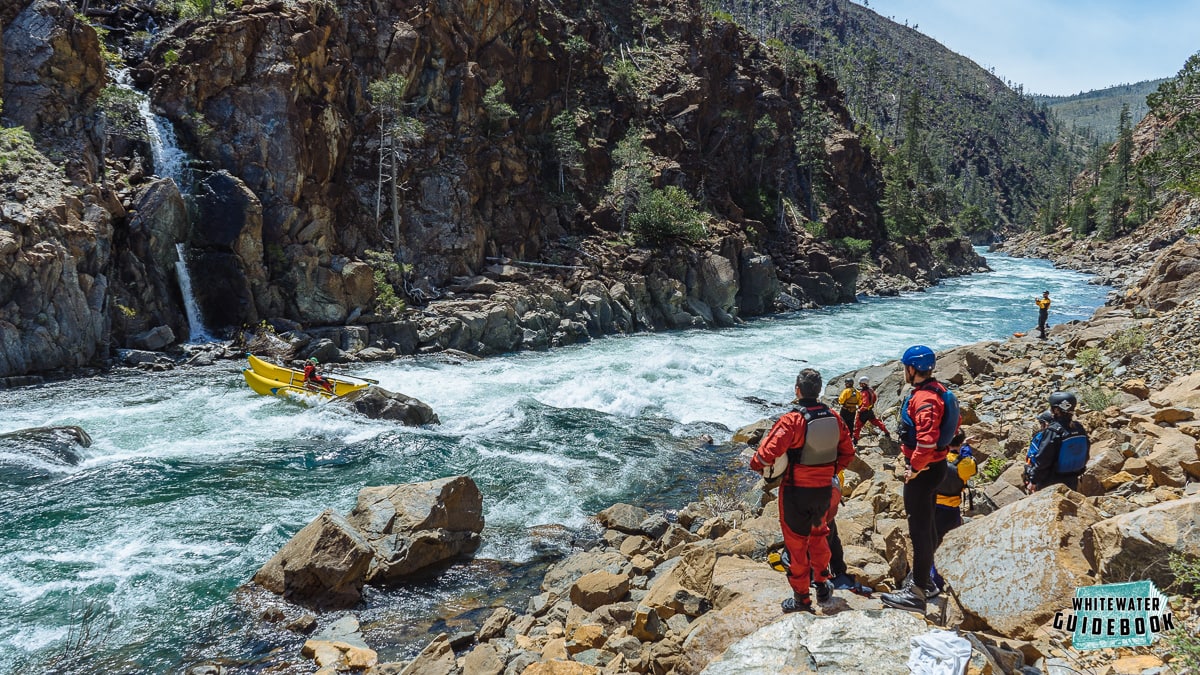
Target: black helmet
{"x": 1064, "y": 401}
{"x": 1046, "y": 417}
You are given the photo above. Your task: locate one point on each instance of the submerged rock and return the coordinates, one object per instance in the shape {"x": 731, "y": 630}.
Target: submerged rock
{"x": 380, "y": 404}
{"x": 57, "y": 445}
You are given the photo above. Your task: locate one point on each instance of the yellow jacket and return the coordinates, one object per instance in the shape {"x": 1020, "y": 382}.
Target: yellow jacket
{"x": 1043, "y": 303}
{"x": 849, "y": 398}
{"x": 966, "y": 469}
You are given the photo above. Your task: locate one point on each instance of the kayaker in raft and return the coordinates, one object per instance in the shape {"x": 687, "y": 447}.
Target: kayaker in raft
{"x": 313, "y": 379}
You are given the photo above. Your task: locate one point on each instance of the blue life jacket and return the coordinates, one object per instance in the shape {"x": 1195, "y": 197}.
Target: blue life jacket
{"x": 949, "y": 426}
{"x": 1073, "y": 452}
{"x": 1033, "y": 446}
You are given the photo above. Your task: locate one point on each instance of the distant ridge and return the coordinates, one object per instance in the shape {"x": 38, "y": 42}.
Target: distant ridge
{"x": 1098, "y": 110}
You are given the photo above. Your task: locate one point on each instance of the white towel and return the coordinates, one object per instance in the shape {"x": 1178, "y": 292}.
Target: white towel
{"x": 939, "y": 652}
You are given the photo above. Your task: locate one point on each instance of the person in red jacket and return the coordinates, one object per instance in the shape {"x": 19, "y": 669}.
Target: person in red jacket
{"x": 925, "y": 467}
{"x": 817, "y": 444}
{"x": 313, "y": 378}
{"x": 866, "y": 409}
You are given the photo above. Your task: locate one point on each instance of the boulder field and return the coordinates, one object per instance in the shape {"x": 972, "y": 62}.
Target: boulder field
{"x": 688, "y": 591}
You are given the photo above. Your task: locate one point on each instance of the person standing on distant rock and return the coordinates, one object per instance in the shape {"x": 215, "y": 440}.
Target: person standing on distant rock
{"x": 866, "y": 411}
{"x": 1062, "y": 453}
{"x": 1043, "y": 305}
{"x": 849, "y": 403}
{"x": 925, "y": 467}
{"x": 818, "y": 446}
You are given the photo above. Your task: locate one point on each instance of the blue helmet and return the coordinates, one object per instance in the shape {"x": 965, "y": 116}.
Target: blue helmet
{"x": 919, "y": 357}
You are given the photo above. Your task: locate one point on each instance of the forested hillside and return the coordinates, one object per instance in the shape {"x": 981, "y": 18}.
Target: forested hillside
{"x": 1129, "y": 183}
{"x": 1098, "y": 112}
{"x": 959, "y": 145}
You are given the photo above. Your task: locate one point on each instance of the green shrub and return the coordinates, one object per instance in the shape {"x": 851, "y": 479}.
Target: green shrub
{"x": 387, "y": 302}
{"x": 120, "y": 108}
{"x": 170, "y": 57}
{"x": 1096, "y": 398}
{"x": 495, "y": 108}
{"x": 1087, "y": 358}
{"x": 16, "y": 149}
{"x": 1182, "y": 643}
{"x": 669, "y": 213}
{"x": 388, "y": 275}
{"x": 855, "y": 249}
{"x": 992, "y": 468}
{"x": 722, "y": 15}
{"x": 1127, "y": 342}
{"x": 623, "y": 77}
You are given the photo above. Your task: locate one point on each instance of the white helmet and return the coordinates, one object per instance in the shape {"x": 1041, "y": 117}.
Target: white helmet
{"x": 864, "y": 380}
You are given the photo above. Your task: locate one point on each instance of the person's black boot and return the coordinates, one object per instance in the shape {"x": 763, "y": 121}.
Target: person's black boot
{"x": 824, "y": 591}
{"x": 910, "y": 598}
{"x": 797, "y": 603}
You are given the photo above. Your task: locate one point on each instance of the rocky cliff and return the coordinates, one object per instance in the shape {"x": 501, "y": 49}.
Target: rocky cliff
{"x": 282, "y": 199}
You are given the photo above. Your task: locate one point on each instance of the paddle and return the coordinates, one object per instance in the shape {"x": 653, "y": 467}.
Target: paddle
{"x": 355, "y": 377}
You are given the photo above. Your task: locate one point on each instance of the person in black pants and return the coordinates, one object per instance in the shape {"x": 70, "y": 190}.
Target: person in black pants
{"x": 925, "y": 467}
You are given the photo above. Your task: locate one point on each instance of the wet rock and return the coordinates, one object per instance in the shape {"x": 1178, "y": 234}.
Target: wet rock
{"x": 415, "y": 526}
{"x": 379, "y": 403}
{"x": 323, "y": 566}
{"x": 54, "y": 445}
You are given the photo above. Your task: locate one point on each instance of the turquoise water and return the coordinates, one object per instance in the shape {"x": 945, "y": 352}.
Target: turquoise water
{"x": 193, "y": 482}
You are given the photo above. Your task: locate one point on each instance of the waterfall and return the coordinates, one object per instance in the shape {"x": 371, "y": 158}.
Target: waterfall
{"x": 196, "y": 330}
{"x": 168, "y": 158}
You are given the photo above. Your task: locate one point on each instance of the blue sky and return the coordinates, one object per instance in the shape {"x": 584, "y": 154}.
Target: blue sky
{"x": 1060, "y": 46}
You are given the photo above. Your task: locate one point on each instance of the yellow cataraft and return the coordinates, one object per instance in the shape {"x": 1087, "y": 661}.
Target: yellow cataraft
{"x": 269, "y": 379}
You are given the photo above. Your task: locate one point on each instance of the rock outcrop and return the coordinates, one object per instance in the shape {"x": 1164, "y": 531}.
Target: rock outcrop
{"x": 323, "y": 566}
{"x": 378, "y": 403}
{"x": 1013, "y": 569}
{"x": 415, "y": 526}
{"x": 1138, "y": 545}
{"x": 393, "y": 533}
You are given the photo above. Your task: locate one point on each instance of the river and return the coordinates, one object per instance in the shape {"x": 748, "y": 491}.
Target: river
{"x": 193, "y": 482}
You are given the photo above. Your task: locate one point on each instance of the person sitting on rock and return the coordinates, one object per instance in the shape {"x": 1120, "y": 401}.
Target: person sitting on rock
{"x": 1062, "y": 453}
{"x": 849, "y": 403}
{"x": 947, "y": 513}
{"x": 313, "y": 378}
{"x": 866, "y": 413}
{"x": 818, "y": 446}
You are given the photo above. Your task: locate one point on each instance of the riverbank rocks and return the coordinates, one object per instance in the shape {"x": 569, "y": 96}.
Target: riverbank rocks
{"x": 1137, "y": 545}
{"x": 873, "y": 641}
{"x": 414, "y": 526}
{"x": 379, "y": 403}
{"x": 323, "y": 566}
{"x": 1015, "y": 568}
